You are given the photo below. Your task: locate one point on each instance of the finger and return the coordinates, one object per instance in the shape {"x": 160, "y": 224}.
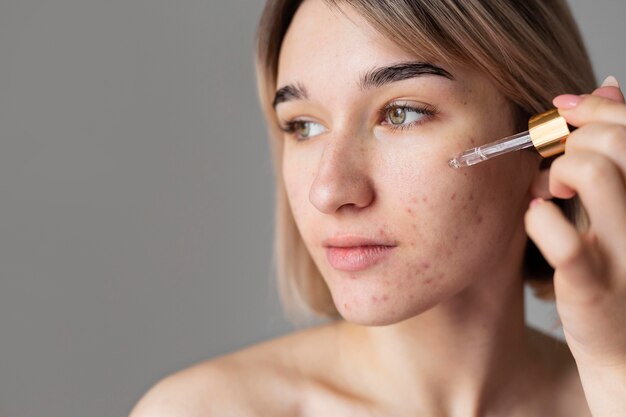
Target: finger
{"x": 606, "y": 139}
{"x": 610, "y": 89}
{"x": 579, "y": 110}
{"x": 612, "y": 93}
{"x": 599, "y": 184}
{"x": 564, "y": 248}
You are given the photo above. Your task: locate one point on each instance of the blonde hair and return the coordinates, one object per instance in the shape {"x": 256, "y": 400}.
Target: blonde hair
{"x": 530, "y": 49}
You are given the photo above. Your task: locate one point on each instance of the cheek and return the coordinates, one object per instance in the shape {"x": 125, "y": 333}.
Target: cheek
{"x": 457, "y": 215}
{"x": 298, "y": 175}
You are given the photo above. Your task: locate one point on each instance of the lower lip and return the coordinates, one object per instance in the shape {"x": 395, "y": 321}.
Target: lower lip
{"x": 356, "y": 258}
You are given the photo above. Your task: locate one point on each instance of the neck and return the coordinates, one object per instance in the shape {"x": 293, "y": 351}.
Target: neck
{"x": 456, "y": 359}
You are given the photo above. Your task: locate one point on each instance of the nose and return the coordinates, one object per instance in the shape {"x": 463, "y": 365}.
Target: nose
{"x": 342, "y": 181}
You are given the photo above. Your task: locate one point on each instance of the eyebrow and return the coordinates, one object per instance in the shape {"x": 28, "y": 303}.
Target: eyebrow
{"x": 290, "y": 92}
{"x": 371, "y": 79}
{"x": 380, "y": 76}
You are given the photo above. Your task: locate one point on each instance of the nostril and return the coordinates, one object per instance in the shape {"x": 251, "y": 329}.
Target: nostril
{"x": 332, "y": 193}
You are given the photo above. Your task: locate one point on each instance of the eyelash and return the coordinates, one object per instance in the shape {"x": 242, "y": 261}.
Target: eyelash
{"x": 428, "y": 111}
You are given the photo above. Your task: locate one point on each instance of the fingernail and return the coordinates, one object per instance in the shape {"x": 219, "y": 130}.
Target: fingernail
{"x": 536, "y": 201}
{"x": 610, "y": 81}
{"x": 566, "y": 101}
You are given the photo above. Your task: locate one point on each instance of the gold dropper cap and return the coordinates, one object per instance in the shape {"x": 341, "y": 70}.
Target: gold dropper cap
{"x": 548, "y": 132}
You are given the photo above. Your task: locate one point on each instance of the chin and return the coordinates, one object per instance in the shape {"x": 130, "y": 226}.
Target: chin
{"x": 374, "y": 311}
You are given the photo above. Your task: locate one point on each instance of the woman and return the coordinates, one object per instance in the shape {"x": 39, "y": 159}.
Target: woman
{"x": 423, "y": 266}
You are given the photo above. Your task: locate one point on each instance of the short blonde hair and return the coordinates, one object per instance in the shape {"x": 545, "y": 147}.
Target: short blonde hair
{"x": 531, "y": 50}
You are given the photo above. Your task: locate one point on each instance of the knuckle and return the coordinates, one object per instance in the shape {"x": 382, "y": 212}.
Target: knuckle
{"x": 616, "y": 139}
{"x": 596, "y": 170}
{"x": 571, "y": 254}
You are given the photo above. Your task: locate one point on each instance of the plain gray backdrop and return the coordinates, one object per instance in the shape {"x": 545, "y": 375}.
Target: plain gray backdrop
{"x": 136, "y": 194}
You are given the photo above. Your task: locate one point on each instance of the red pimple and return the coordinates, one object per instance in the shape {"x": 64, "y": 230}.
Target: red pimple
{"x": 480, "y": 219}
{"x": 385, "y": 297}
{"x": 425, "y": 265}
{"x": 453, "y": 196}
{"x": 471, "y": 197}
{"x": 425, "y": 199}
{"x": 408, "y": 210}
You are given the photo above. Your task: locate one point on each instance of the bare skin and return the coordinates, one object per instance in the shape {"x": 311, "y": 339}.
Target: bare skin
{"x": 437, "y": 327}
{"x": 305, "y": 374}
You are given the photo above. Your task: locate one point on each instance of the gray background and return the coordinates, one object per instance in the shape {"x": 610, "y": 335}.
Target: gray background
{"x": 136, "y": 194}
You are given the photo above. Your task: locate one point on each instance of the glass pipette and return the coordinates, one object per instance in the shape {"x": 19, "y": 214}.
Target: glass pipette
{"x": 547, "y": 133}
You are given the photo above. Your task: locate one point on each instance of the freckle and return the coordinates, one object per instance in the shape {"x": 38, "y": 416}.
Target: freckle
{"x": 428, "y": 281}
{"x": 472, "y": 141}
{"x": 386, "y": 282}
{"x": 408, "y": 210}
{"x": 412, "y": 244}
{"x": 453, "y": 196}
{"x": 374, "y": 299}
{"x": 480, "y": 219}
{"x": 448, "y": 252}
{"x": 471, "y": 197}
{"x": 414, "y": 200}
{"x": 425, "y": 265}
{"x": 465, "y": 174}
{"x": 425, "y": 199}
{"x": 464, "y": 206}
{"x": 381, "y": 231}
{"x": 456, "y": 237}
{"x": 385, "y": 297}
{"x": 346, "y": 306}
{"x": 414, "y": 226}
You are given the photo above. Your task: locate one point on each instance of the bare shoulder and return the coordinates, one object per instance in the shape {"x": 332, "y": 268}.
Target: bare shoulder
{"x": 267, "y": 378}
{"x": 567, "y": 394}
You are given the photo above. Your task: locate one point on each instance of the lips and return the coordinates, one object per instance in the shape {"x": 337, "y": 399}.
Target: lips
{"x": 343, "y": 241}
{"x": 354, "y": 253}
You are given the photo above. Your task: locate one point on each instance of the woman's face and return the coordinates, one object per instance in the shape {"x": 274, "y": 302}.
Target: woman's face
{"x": 392, "y": 228}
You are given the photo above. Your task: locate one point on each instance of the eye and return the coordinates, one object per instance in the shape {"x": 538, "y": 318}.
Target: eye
{"x": 303, "y": 129}
{"x": 403, "y": 116}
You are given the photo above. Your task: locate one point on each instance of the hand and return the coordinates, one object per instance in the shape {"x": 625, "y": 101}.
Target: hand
{"x": 590, "y": 266}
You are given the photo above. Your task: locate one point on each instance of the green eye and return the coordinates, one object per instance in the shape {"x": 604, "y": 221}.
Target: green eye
{"x": 404, "y": 116}
{"x": 396, "y": 115}
{"x": 303, "y": 129}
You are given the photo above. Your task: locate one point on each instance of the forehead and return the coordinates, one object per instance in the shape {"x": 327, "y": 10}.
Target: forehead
{"x": 333, "y": 40}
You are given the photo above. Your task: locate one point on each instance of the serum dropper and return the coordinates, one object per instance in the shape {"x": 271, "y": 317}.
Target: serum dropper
{"x": 547, "y": 133}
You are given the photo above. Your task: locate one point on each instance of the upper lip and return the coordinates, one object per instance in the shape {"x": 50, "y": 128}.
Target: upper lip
{"x": 349, "y": 241}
